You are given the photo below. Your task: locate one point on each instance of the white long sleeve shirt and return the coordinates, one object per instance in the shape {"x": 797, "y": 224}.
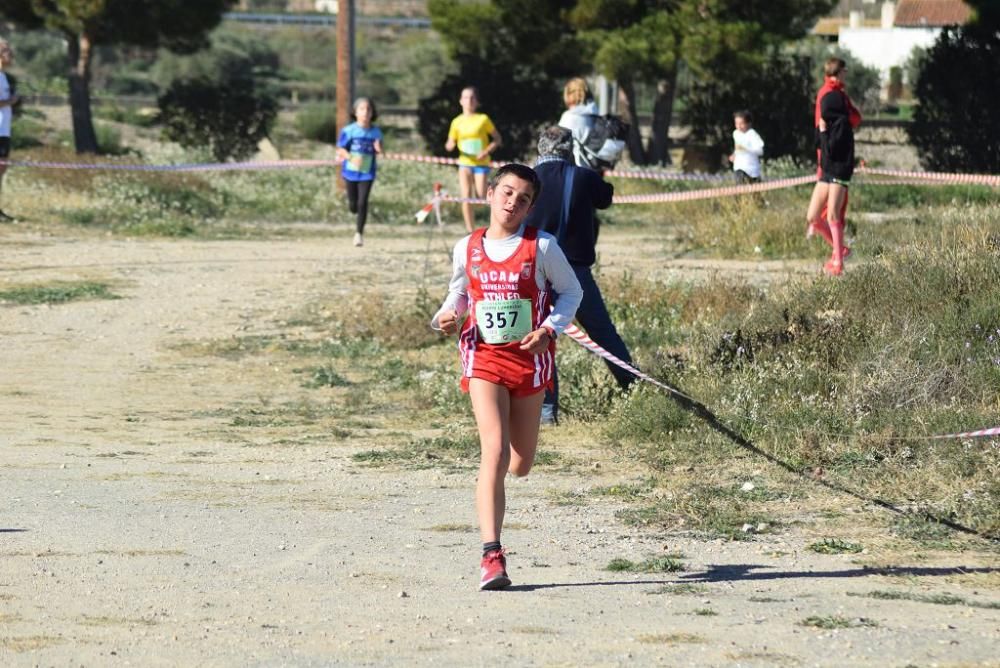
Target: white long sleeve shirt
{"x": 551, "y": 266}
{"x": 748, "y": 147}
{"x": 580, "y": 121}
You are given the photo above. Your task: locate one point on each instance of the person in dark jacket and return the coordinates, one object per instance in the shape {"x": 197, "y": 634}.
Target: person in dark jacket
{"x": 570, "y": 196}
{"x": 836, "y": 117}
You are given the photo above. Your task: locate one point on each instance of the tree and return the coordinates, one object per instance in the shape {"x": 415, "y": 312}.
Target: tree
{"x": 954, "y": 127}
{"x": 513, "y": 51}
{"x": 224, "y": 98}
{"x": 862, "y": 82}
{"x": 985, "y": 13}
{"x": 179, "y": 25}
{"x": 780, "y": 100}
{"x": 537, "y": 103}
{"x": 635, "y": 42}
{"x": 644, "y": 41}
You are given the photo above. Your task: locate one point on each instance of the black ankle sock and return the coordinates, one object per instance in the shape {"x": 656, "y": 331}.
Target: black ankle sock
{"x": 489, "y": 547}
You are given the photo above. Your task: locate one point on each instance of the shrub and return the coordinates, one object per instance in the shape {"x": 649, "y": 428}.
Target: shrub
{"x": 27, "y": 133}
{"x": 109, "y": 140}
{"x": 317, "y": 122}
{"x": 229, "y": 117}
{"x": 953, "y": 127}
{"x": 144, "y": 117}
{"x": 221, "y": 102}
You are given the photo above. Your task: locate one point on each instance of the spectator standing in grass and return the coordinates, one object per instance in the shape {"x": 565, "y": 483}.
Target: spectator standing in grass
{"x": 835, "y": 117}
{"x": 502, "y": 276}
{"x": 566, "y": 209}
{"x": 358, "y": 145}
{"x": 7, "y": 101}
{"x": 475, "y": 137}
{"x": 748, "y": 148}
{"x": 581, "y": 109}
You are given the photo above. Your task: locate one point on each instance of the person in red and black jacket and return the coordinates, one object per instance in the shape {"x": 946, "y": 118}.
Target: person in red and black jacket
{"x": 835, "y": 117}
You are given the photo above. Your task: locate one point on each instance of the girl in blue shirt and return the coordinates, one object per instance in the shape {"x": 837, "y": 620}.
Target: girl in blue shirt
{"x": 357, "y": 147}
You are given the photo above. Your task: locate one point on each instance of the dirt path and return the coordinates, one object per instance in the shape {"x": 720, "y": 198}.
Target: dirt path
{"x": 136, "y": 528}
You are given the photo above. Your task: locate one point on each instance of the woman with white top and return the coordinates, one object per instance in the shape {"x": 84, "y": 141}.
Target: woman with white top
{"x": 579, "y": 116}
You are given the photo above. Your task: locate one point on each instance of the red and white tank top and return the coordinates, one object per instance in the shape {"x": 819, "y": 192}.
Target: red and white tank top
{"x": 505, "y": 303}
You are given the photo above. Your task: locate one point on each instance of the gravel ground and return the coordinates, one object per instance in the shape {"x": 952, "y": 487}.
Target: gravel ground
{"x": 137, "y": 530}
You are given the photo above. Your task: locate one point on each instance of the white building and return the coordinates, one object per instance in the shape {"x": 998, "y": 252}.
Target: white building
{"x": 910, "y": 24}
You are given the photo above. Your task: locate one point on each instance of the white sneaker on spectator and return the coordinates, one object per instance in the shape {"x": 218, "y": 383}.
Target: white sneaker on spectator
{"x": 548, "y": 415}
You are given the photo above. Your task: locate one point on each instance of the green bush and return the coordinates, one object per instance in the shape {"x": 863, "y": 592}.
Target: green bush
{"x": 26, "y": 133}
{"x": 230, "y": 117}
{"x": 143, "y": 118}
{"x": 317, "y": 122}
{"x": 109, "y": 140}
{"x": 221, "y": 99}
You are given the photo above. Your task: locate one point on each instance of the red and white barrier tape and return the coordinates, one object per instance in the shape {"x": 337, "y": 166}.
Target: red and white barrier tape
{"x": 184, "y": 167}
{"x": 581, "y": 337}
{"x": 977, "y": 179}
{"x": 618, "y": 173}
{"x": 710, "y": 193}
{"x": 462, "y": 200}
{"x": 431, "y": 159}
{"x": 940, "y": 177}
{"x": 993, "y": 431}
{"x": 657, "y": 175}
{"x": 707, "y": 193}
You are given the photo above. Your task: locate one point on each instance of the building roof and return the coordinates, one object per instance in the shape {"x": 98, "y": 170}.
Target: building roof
{"x": 931, "y": 13}
{"x": 829, "y": 26}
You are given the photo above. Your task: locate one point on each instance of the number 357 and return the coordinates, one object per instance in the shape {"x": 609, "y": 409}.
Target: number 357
{"x": 501, "y": 320}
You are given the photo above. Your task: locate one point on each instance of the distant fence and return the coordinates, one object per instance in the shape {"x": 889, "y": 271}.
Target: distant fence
{"x": 140, "y": 101}
{"x": 324, "y": 20}
{"x": 136, "y": 101}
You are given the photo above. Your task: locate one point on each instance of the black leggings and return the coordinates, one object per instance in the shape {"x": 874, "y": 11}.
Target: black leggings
{"x": 357, "y": 201}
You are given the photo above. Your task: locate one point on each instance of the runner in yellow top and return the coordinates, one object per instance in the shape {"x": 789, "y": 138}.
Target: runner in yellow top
{"x": 475, "y": 137}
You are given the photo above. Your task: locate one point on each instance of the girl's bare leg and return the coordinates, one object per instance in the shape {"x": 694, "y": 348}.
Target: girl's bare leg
{"x": 466, "y": 186}
{"x": 491, "y": 405}
{"x": 834, "y": 208}
{"x": 480, "y": 180}
{"x": 814, "y": 215}
{"x": 524, "y": 421}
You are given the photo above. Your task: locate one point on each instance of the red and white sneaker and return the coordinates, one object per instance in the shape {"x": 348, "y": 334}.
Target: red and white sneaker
{"x": 493, "y": 571}
{"x": 833, "y": 268}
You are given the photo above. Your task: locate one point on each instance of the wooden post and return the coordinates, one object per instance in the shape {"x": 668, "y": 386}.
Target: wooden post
{"x": 345, "y": 68}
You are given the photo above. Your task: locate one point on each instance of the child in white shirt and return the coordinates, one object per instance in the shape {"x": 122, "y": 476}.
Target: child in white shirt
{"x": 748, "y": 148}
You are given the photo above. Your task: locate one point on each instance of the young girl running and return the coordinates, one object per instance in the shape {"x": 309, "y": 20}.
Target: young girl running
{"x": 7, "y": 101}
{"x": 836, "y": 118}
{"x": 475, "y": 137}
{"x": 503, "y": 277}
{"x": 357, "y": 146}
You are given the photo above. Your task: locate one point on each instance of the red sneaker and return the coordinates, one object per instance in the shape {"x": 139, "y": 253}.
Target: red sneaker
{"x": 833, "y": 268}
{"x": 493, "y": 571}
